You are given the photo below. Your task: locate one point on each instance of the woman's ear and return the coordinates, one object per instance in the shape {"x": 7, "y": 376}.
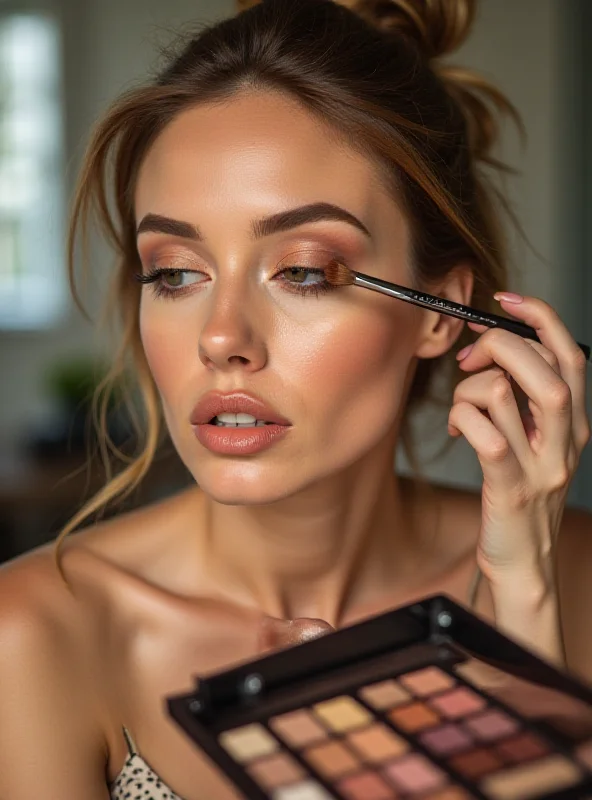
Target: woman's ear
{"x": 438, "y": 332}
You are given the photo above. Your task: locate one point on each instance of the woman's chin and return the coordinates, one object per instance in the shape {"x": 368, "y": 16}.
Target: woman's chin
{"x": 240, "y": 485}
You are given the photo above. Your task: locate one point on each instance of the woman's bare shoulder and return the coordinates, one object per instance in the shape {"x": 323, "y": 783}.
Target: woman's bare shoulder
{"x": 48, "y": 702}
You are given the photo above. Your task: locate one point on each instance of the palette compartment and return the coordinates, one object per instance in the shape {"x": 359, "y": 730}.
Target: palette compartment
{"x": 379, "y": 712}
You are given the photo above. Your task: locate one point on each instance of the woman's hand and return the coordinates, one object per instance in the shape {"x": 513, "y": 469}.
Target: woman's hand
{"x": 524, "y": 413}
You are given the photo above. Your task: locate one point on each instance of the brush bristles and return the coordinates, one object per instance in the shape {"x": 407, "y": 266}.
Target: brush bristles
{"x": 338, "y": 274}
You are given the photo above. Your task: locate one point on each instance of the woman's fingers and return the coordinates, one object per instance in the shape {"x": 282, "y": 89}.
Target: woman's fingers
{"x": 550, "y": 395}
{"x": 491, "y": 391}
{"x": 555, "y": 336}
{"x": 499, "y": 463}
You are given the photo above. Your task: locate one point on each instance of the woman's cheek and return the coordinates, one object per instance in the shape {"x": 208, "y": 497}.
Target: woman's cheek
{"x": 164, "y": 353}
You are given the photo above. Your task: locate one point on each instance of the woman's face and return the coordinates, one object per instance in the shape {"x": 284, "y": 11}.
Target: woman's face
{"x": 336, "y": 364}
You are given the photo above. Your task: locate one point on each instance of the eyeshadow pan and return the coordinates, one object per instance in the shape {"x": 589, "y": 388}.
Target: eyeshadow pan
{"x": 414, "y": 773}
{"x": 429, "y": 680}
{"x": 520, "y": 783}
{"x": 477, "y": 763}
{"x": 386, "y": 694}
{"x": 276, "y": 770}
{"x": 414, "y": 717}
{"x": 306, "y": 790}
{"x": 491, "y": 725}
{"x": 458, "y": 703}
{"x": 249, "y": 742}
{"x": 451, "y": 793}
{"x": 446, "y": 740}
{"x": 332, "y": 760}
{"x": 342, "y": 714}
{"x": 298, "y": 728}
{"x": 522, "y": 748}
{"x": 377, "y": 743}
{"x": 365, "y": 786}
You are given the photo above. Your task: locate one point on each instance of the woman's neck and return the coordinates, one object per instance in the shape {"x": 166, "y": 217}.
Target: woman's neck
{"x": 337, "y": 544}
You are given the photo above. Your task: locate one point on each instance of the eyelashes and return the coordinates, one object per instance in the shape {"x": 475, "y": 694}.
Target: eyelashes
{"x": 293, "y": 277}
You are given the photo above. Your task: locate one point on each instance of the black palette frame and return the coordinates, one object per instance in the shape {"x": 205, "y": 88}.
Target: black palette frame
{"x": 436, "y": 630}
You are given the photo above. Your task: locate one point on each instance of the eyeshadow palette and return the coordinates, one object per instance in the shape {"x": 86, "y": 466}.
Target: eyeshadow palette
{"x": 427, "y": 701}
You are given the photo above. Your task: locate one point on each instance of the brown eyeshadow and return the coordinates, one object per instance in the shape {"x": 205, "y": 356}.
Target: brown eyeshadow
{"x": 429, "y": 680}
{"x": 414, "y": 717}
{"x": 386, "y": 694}
{"x": 377, "y": 743}
{"x": 477, "y": 763}
{"x": 332, "y": 760}
{"x": 366, "y": 786}
{"x": 522, "y": 748}
{"x": 276, "y": 771}
{"x": 298, "y": 728}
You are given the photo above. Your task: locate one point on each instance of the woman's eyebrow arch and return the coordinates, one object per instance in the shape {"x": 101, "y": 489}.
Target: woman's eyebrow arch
{"x": 276, "y": 223}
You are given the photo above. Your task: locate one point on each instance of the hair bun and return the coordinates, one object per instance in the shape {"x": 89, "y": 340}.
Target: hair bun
{"x": 437, "y": 27}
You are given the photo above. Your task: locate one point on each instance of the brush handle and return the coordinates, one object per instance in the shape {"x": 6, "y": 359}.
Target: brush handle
{"x": 451, "y": 308}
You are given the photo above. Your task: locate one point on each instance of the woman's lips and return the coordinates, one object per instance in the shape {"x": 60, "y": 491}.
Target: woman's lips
{"x": 239, "y": 441}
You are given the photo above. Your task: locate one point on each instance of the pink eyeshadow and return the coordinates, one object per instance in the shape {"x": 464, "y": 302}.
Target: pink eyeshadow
{"x": 414, "y": 773}
{"x": 458, "y": 703}
{"x": 447, "y": 740}
{"x": 491, "y": 725}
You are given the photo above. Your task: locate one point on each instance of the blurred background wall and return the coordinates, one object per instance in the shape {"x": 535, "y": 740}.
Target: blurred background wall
{"x": 534, "y": 50}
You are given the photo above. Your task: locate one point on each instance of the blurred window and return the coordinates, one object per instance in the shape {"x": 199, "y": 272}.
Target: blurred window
{"x": 32, "y": 280}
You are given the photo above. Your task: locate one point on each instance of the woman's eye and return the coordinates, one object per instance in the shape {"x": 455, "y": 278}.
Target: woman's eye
{"x": 303, "y": 275}
{"x": 304, "y": 271}
{"x": 180, "y": 278}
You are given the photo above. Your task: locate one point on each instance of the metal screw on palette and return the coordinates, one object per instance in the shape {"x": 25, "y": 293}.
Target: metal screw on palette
{"x": 195, "y": 706}
{"x": 253, "y": 684}
{"x": 444, "y": 619}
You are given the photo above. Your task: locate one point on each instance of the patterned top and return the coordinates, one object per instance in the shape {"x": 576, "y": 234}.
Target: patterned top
{"x": 137, "y": 781}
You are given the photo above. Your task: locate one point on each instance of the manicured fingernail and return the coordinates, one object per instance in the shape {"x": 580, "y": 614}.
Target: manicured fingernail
{"x": 464, "y": 352}
{"x": 509, "y": 297}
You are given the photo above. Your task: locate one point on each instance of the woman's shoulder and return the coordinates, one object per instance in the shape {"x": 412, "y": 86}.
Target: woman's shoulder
{"x": 36, "y": 596}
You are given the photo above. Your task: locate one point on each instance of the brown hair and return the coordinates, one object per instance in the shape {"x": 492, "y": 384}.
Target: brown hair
{"x": 369, "y": 70}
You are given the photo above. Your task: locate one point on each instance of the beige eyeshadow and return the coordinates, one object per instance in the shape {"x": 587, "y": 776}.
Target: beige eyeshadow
{"x": 386, "y": 694}
{"x": 414, "y": 717}
{"x": 249, "y": 742}
{"x": 377, "y": 743}
{"x": 276, "y": 770}
{"x": 298, "y": 728}
{"x": 332, "y": 760}
{"x": 342, "y": 714}
{"x": 520, "y": 783}
{"x": 427, "y": 681}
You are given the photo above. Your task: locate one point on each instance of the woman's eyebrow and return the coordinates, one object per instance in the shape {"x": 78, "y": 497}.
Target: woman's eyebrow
{"x": 276, "y": 223}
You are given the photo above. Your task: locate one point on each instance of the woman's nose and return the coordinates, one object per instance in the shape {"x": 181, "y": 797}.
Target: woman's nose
{"x": 232, "y": 336}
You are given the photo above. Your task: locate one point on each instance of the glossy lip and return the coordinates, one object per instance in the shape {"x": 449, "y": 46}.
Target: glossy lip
{"x": 214, "y": 403}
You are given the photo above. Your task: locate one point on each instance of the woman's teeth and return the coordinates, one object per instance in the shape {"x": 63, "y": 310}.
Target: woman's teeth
{"x": 238, "y": 421}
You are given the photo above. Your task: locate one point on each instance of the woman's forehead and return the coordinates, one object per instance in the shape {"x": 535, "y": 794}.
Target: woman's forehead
{"x": 260, "y": 148}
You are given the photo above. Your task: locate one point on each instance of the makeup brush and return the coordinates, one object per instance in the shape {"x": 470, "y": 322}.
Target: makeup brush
{"x": 340, "y": 275}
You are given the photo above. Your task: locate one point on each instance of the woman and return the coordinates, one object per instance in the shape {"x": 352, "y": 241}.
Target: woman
{"x": 291, "y": 134}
